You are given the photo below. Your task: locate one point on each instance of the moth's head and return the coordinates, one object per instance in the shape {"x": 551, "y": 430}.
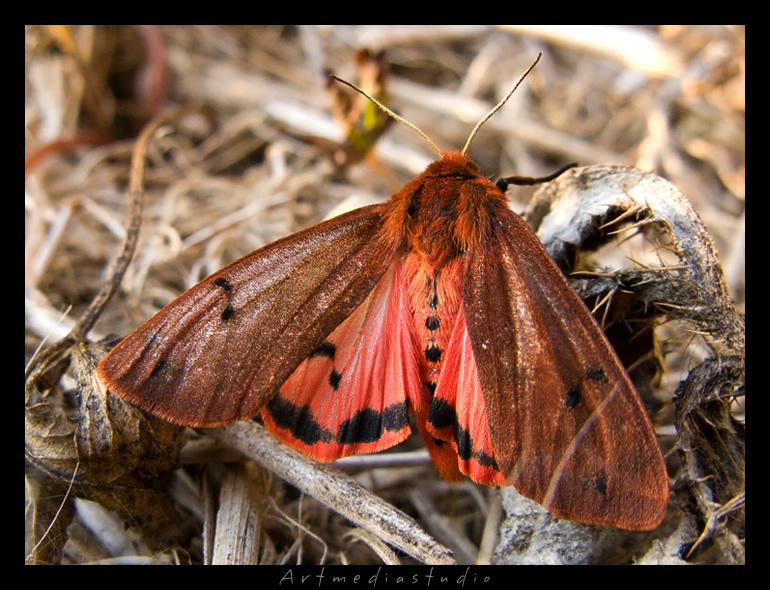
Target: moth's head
{"x": 453, "y": 164}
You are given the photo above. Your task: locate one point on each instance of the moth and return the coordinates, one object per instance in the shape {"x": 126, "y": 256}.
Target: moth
{"x": 440, "y": 303}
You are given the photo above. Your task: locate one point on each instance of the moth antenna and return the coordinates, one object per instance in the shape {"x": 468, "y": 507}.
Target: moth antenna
{"x": 391, "y": 113}
{"x": 499, "y": 105}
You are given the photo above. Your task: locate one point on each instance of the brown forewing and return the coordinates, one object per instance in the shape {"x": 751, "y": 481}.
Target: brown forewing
{"x": 567, "y": 426}
{"x": 222, "y": 349}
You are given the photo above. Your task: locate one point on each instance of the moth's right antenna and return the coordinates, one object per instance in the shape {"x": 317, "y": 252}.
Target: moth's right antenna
{"x": 499, "y": 105}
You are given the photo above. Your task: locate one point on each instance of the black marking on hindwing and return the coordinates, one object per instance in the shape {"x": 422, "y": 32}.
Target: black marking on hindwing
{"x": 396, "y": 416}
{"x": 334, "y": 379}
{"x": 368, "y": 425}
{"x": 326, "y": 349}
{"x": 442, "y": 415}
{"x": 298, "y": 420}
{"x": 364, "y": 427}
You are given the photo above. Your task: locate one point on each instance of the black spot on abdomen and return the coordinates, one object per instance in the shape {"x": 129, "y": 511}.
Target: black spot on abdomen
{"x": 432, "y": 353}
{"x": 432, "y": 323}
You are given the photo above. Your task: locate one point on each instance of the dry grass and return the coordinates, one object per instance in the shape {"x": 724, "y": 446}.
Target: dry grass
{"x": 668, "y": 99}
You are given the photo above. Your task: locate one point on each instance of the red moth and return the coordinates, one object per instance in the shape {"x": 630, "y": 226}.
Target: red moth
{"x": 440, "y": 303}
